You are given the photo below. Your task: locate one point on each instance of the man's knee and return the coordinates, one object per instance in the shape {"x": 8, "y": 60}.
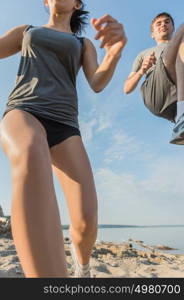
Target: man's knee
{"x": 181, "y": 29}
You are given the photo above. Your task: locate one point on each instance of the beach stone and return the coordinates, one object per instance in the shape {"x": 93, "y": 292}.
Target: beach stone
{"x": 159, "y": 260}
{"x": 102, "y": 268}
{"x": 18, "y": 270}
{"x": 67, "y": 240}
{"x": 7, "y": 253}
{"x": 114, "y": 264}
{"x": 127, "y": 253}
{"x": 67, "y": 252}
{"x": 5, "y": 225}
{"x": 15, "y": 259}
{"x": 11, "y": 247}
{"x": 108, "y": 256}
{"x": 152, "y": 255}
{"x": 163, "y": 247}
{"x": 109, "y": 260}
{"x": 1, "y": 212}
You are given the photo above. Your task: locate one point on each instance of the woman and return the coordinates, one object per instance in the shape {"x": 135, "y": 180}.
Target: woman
{"x": 40, "y": 130}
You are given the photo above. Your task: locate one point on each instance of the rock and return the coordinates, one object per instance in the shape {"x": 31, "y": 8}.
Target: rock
{"x": 107, "y": 262}
{"x": 138, "y": 241}
{"x": 114, "y": 264}
{"x": 67, "y": 253}
{"x": 132, "y": 253}
{"x": 5, "y": 225}
{"x": 102, "y": 268}
{"x": 1, "y": 212}
{"x": 153, "y": 255}
{"x": 67, "y": 240}
{"x": 15, "y": 259}
{"x": 162, "y": 247}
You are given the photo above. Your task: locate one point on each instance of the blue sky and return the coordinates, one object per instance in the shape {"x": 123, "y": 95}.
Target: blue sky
{"x": 139, "y": 176}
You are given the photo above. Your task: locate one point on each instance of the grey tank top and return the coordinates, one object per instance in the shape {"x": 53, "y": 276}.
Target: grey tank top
{"x": 46, "y": 80}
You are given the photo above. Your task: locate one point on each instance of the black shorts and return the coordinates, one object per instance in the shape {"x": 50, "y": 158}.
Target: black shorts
{"x": 159, "y": 92}
{"x": 56, "y": 132}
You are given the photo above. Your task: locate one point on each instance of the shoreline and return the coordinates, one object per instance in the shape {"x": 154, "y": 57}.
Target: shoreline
{"x": 109, "y": 259}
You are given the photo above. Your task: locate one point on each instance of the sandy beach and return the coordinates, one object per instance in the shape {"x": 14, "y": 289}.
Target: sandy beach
{"x": 108, "y": 260}
{"x": 130, "y": 259}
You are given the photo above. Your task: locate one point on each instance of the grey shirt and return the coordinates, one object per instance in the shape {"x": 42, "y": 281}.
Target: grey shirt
{"x": 140, "y": 57}
{"x": 46, "y": 79}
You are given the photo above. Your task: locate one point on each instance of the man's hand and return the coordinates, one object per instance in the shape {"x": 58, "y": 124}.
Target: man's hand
{"x": 110, "y": 33}
{"x": 148, "y": 62}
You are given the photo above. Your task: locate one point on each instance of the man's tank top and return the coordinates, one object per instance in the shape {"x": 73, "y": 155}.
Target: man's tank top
{"x": 46, "y": 79}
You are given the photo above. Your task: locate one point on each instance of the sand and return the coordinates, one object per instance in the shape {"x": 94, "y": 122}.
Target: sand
{"x": 108, "y": 260}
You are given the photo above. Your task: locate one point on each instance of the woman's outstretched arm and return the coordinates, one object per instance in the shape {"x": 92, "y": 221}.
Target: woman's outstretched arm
{"x": 11, "y": 41}
{"x": 113, "y": 40}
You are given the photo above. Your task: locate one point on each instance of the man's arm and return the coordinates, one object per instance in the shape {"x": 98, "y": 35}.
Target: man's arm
{"x": 134, "y": 77}
{"x": 132, "y": 82}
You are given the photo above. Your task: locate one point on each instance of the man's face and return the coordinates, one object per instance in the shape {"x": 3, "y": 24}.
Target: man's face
{"x": 162, "y": 29}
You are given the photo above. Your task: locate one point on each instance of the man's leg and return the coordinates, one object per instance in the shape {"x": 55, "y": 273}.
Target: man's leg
{"x": 180, "y": 72}
{"x": 174, "y": 62}
{"x": 171, "y": 53}
{"x": 178, "y": 130}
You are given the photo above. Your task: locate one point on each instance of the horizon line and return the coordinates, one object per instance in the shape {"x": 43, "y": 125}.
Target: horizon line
{"x": 123, "y": 225}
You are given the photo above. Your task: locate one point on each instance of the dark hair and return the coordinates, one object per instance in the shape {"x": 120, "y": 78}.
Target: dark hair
{"x": 161, "y": 15}
{"x": 78, "y": 19}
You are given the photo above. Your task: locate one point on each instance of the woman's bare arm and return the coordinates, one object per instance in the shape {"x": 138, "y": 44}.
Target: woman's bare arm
{"x": 97, "y": 75}
{"x": 11, "y": 41}
{"x": 113, "y": 39}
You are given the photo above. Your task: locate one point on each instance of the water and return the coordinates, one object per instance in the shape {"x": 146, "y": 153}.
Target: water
{"x": 167, "y": 236}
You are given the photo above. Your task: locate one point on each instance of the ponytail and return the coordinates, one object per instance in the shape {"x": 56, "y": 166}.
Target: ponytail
{"x": 78, "y": 19}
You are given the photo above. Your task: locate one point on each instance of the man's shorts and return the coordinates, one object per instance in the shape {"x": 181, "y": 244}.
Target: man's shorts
{"x": 159, "y": 92}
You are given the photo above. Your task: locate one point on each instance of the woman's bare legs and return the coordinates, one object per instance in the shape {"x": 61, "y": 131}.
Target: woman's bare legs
{"x": 36, "y": 225}
{"x": 71, "y": 166}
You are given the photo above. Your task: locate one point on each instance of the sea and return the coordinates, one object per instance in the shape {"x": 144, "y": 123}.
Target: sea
{"x": 167, "y": 235}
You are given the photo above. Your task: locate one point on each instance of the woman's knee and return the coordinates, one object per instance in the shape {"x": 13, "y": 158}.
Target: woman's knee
{"x": 86, "y": 226}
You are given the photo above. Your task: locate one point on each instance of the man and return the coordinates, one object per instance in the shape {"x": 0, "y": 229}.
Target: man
{"x": 163, "y": 66}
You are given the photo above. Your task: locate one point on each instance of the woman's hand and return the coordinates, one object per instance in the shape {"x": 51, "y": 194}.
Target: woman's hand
{"x": 111, "y": 34}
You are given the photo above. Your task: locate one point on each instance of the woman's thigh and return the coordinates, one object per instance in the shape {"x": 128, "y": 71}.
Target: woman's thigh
{"x": 72, "y": 167}
{"x": 24, "y": 141}
{"x": 19, "y": 131}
